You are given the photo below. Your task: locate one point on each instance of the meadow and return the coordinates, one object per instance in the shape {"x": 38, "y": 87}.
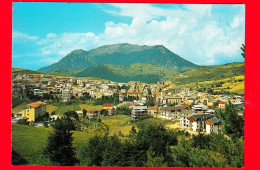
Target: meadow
{"x": 30, "y": 141}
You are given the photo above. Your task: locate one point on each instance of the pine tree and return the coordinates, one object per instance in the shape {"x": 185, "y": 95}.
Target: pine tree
{"x": 59, "y": 145}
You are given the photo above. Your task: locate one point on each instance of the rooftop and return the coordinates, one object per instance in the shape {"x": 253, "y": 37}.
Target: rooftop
{"x": 36, "y": 104}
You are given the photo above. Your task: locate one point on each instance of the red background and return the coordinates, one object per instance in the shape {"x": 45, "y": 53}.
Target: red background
{"x": 252, "y": 80}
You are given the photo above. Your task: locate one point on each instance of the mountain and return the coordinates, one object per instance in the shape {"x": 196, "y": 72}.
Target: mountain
{"x": 121, "y": 54}
{"x": 147, "y": 73}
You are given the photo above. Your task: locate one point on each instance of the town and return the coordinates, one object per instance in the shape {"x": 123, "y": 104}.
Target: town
{"x": 193, "y": 110}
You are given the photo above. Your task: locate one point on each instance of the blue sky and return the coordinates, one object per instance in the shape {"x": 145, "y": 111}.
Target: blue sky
{"x": 205, "y": 34}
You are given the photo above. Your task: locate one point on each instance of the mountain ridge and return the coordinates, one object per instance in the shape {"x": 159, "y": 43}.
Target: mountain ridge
{"x": 122, "y": 54}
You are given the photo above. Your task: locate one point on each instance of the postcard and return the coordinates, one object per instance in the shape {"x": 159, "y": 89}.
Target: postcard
{"x": 128, "y": 84}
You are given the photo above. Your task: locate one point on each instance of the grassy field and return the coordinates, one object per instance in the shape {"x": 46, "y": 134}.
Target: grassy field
{"x": 51, "y": 108}
{"x": 117, "y": 123}
{"x": 19, "y": 108}
{"x": 234, "y": 84}
{"x": 65, "y": 108}
{"x": 30, "y": 141}
{"x": 90, "y": 107}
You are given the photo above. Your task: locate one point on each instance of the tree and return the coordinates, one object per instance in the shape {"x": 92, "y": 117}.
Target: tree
{"x": 17, "y": 159}
{"x": 123, "y": 110}
{"x": 243, "y": 50}
{"x": 201, "y": 141}
{"x": 149, "y": 103}
{"x": 22, "y": 122}
{"x": 84, "y": 113}
{"x": 234, "y": 123}
{"x": 59, "y": 145}
{"x": 155, "y": 138}
{"x": 94, "y": 149}
{"x": 104, "y": 112}
{"x": 72, "y": 114}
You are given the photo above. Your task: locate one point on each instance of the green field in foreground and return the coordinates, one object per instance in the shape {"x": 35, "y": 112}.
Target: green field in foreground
{"x": 30, "y": 141}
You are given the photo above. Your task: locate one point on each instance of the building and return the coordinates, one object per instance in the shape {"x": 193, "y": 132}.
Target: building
{"x": 222, "y": 105}
{"x": 214, "y": 125}
{"x": 174, "y": 100}
{"x": 197, "y": 122}
{"x": 153, "y": 110}
{"x": 79, "y": 113}
{"x": 168, "y": 112}
{"x": 93, "y": 114}
{"x": 122, "y": 95}
{"x": 199, "y": 108}
{"x": 34, "y": 110}
{"x": 134, "y": 94}
{"x": 65, "y": 95}
{"x": 184, "y": 118}
{"x": 109, "y": 108}
{"x": 139, "y": 111}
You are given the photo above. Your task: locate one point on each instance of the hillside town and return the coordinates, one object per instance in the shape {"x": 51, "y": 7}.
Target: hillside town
{"x": 193, "y": 110}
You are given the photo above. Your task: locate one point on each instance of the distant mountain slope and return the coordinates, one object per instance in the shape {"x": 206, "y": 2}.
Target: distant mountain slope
{"x": 122, "y": 54}
{"x": 206, "y": 73}
{"x": 24, "y": 71}
{"x": 147, "y": 73}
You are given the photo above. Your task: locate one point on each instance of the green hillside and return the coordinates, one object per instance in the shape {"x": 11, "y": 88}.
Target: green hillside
{"x": 208, "y": 73}
{"x": 24, "y": 71}
{"x": 65, "y": 72}
{"x": 121, "y": 54}
{"x": 147, "y": 73}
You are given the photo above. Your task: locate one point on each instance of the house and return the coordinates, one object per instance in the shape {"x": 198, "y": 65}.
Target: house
{"x": 139, "y": 111}
{"x": 79, "y": 113}
{"x": 109, "y": 108}
{"x": 199, "y": 108}
{"x": 222, "y": 105}
{"x": 65, "y": 95}
{"x": 174, "y": 100}
{"x": 153, "y": 110}
{"x": 184, "y": 118}
{"x": 214, "y": 125}
{"x": 169, "y": 112}
{"x": 134, "y": 94}
{"x": 93, "y": 114}
{"x": 121, "y": 95}
{"x": 34, "y": 110}
{"x": 17, "y": 89}
{"x": 110, "y": 111}
{"x": 197, "y": 122}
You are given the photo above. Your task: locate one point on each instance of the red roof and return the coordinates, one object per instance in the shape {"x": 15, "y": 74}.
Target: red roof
{"x": 156, "y": 94}
{"x": 106, "y": 105}
{"x": 36, "y": 104}
{"x": 120, "y": 93}
{"x": 130, "y": 92}
{"x": 180, "y": 108}
{"x": 136, "y": 104}
{"x": 184, "y": 104}
{"x": 152, "y": 107}
{"x": 192, "y": 119}
{"x": 222, "y": 102}
{"x": 209, "y": 122}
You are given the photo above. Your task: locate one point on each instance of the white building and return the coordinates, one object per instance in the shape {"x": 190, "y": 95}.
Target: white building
{"x": 139, "y": 111}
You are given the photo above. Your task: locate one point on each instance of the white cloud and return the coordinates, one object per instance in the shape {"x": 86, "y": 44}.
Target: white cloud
{"x": 51, "y": 35}
{"x": 192, "y": 32}
{"x": 19, "y": 35}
